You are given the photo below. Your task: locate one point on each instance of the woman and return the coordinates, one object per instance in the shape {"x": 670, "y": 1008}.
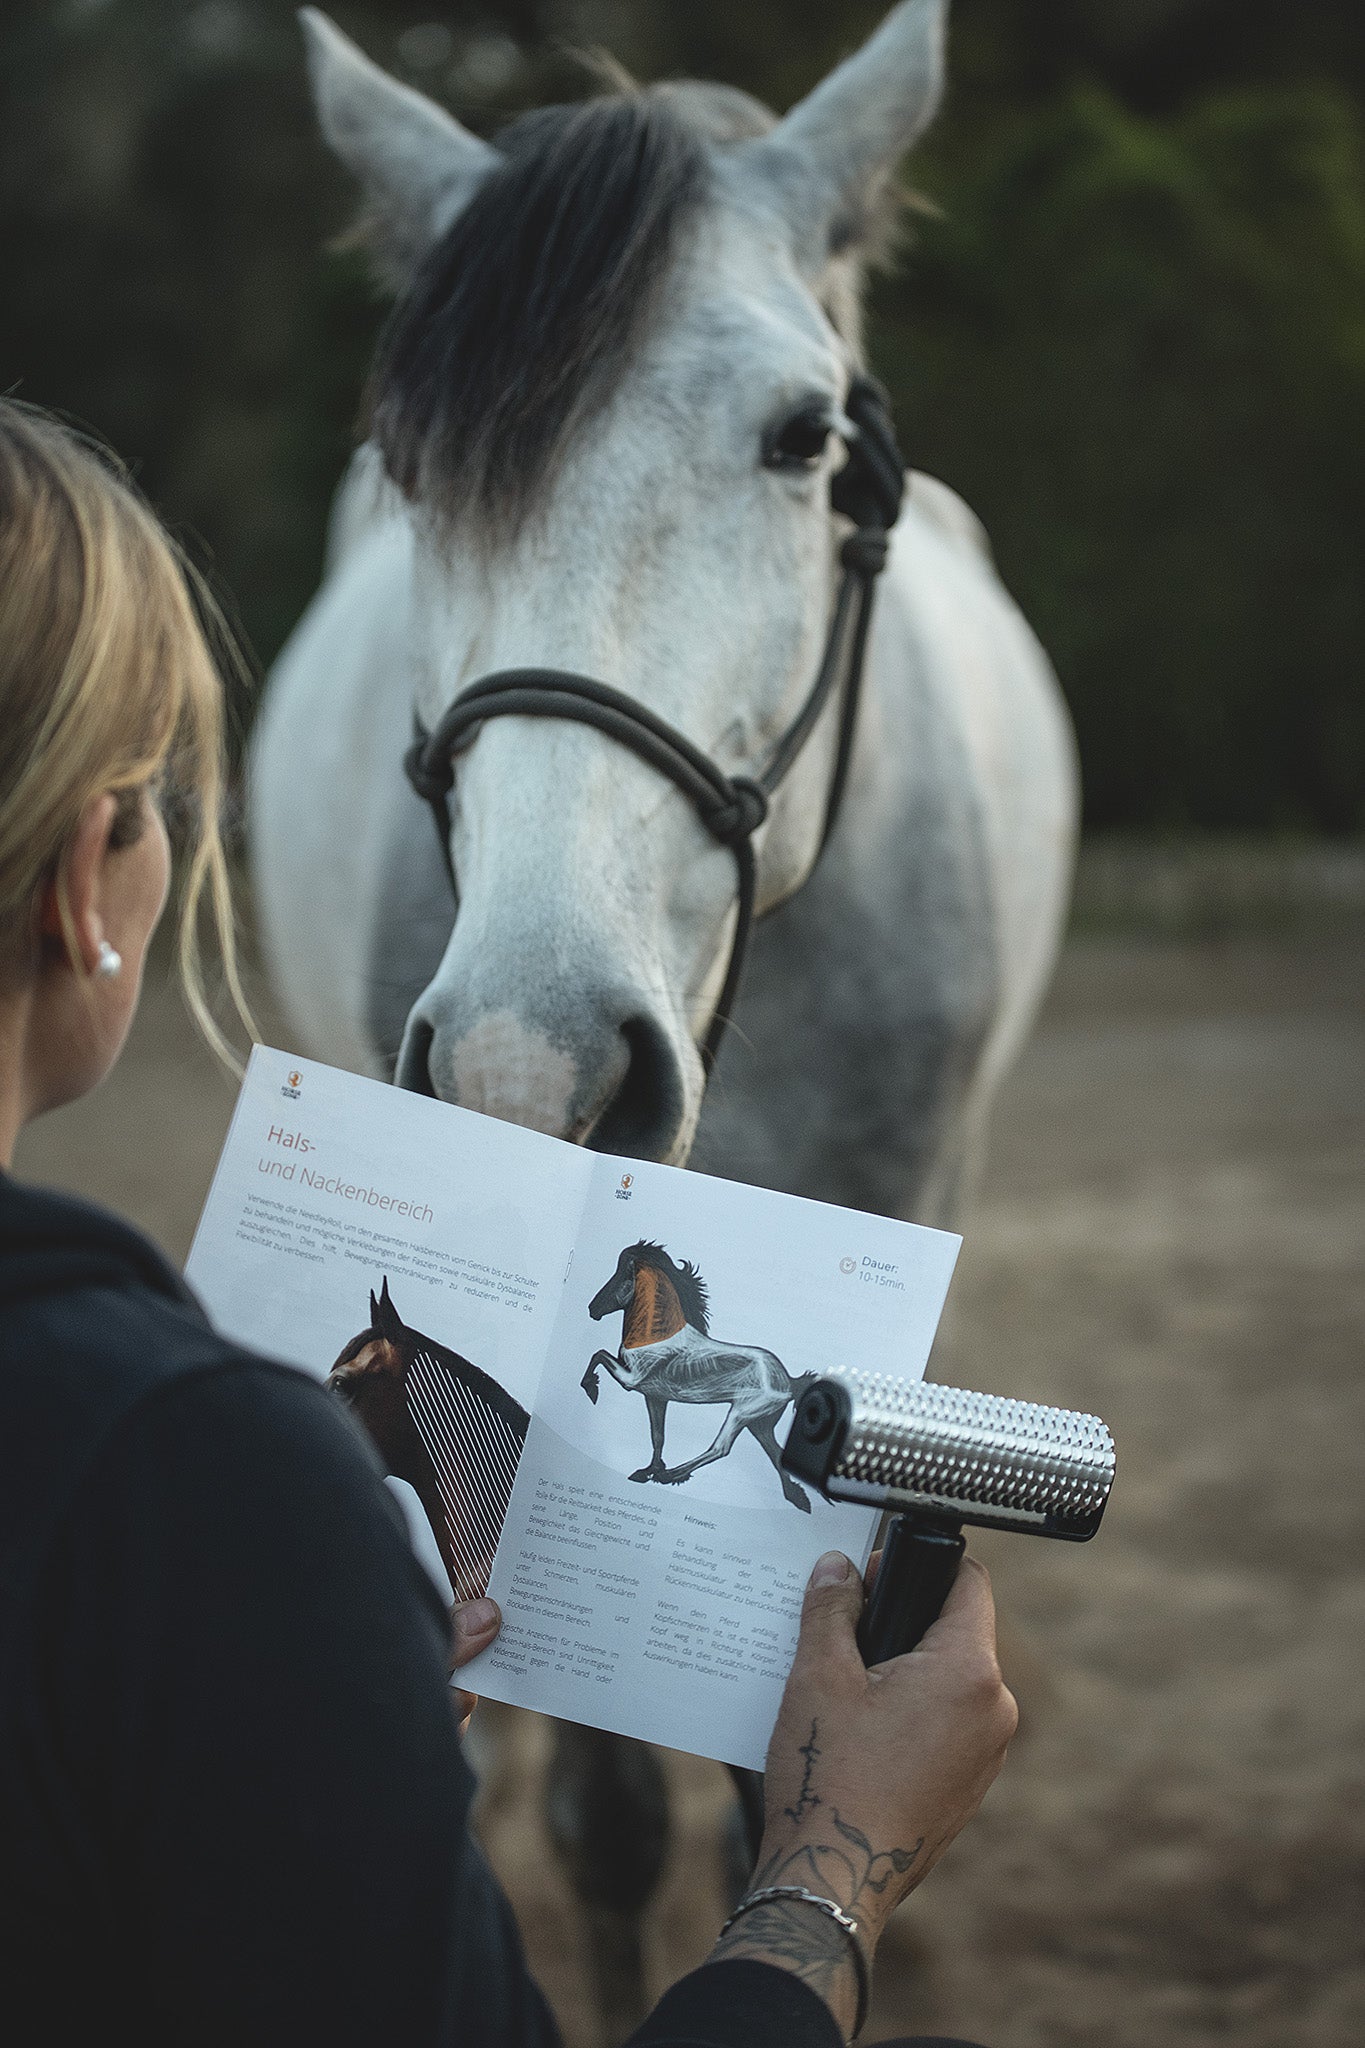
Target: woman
{"x": 233, "y": 1806}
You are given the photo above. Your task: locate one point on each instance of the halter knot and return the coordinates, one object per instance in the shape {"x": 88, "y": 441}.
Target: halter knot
{"x": 432, "y": 779}
{"x": 865, "y": 551}
{"x": 735, "y": 821}
{"x": 868, "y": 489}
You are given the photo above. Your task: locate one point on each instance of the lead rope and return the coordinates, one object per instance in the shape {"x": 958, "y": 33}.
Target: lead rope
{"x": 867, "y": 490}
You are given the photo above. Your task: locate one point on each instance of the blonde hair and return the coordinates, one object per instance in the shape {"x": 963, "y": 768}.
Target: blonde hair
{"x": 107, "y": 683}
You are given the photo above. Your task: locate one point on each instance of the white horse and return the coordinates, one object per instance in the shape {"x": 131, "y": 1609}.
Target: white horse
{"x": 604, "y": 425}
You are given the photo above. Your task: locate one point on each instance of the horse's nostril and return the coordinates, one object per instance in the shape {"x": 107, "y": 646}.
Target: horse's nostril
{"x": 413, "y": 1070}
{"x": 645, "y": 1114}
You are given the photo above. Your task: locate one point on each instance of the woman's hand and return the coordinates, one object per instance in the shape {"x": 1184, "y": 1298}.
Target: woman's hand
{"x": 474, "y": 1624}
{"x": 871, "y": 1773}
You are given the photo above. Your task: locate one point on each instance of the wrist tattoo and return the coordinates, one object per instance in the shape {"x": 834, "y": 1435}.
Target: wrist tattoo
{"x": 847, "y": 1869}
{"x": 808, "y": 1943}
{"x": 833, "y": 1857}
{"x": 806, "y": 1798}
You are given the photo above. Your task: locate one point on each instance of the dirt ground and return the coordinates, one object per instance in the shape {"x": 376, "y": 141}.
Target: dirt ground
{"x": 1170, "y": 1232}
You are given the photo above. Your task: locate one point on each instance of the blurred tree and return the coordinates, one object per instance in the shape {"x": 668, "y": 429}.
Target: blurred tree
{"x": 1138, "y": 347}
{"x": 1134, "y": 340}
{"x": 162, "y": 192}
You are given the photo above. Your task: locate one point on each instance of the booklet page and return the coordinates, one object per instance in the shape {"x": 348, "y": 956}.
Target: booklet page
{"x": 654, "y": 1555}
{"x": 414, "y": 1253}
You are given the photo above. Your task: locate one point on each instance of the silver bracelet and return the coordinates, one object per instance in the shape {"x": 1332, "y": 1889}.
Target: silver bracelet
{"x": 836, "y": 1913}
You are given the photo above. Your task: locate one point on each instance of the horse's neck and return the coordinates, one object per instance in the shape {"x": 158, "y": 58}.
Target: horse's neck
{"x": 424, "y": 1462}
{"x": 654, "y": 1312}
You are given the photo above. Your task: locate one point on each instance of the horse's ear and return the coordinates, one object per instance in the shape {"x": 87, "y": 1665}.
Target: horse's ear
{"x": 418, "y": 167}
{"x": 386, "y": 1317}
{"x": 374, "y": 1311}
{"x": 829, "y": 163}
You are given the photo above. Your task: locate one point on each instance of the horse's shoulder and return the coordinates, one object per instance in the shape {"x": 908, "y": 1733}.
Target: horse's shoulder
{"x": 941, "y": 507}
{"x": 647, "y": 1356}
{"x": 685, "y": 1351}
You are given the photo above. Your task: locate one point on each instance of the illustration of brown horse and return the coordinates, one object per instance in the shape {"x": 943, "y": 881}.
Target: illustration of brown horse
{"x": 445, "y": 1427}
{"x": 668, "y": 1354}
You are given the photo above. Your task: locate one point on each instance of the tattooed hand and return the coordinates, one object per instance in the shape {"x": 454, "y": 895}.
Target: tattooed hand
{"x": 871, "y": 1773}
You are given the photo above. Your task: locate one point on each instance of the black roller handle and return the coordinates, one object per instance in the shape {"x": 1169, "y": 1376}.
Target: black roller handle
{"x": 919, "y": 1563}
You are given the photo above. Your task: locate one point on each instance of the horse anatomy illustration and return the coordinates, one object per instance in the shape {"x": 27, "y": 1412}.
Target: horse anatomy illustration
{"x": 445, "y": 1427}
{"x": 605, "y": 435}
{"x": 668, "y": 1354}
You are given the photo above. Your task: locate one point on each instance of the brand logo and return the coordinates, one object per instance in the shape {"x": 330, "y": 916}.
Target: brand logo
{"x": 848, "y": 1265}
{"x": 293, "y": 1085}
{"x": 627, "y": 1182}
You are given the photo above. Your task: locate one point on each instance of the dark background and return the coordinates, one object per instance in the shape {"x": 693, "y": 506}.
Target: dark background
{"x": 1134, "y": 338}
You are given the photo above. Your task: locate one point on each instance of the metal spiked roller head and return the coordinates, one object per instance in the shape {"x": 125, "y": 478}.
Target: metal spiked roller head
{"x": 911, "y": 1446}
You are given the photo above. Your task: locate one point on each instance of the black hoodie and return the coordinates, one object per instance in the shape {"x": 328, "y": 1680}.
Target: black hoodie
{"x": 233, "y": 1808}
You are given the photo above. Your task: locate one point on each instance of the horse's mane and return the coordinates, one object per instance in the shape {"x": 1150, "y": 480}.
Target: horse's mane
{"x": 519, "y": 323}
{"x": 688, "y": 1284}
{"x": 474, "y": 1380}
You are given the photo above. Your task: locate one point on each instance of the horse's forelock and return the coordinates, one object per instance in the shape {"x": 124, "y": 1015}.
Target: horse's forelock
{"x": 354, "y": 1348}
{"x": 520, "y": 322}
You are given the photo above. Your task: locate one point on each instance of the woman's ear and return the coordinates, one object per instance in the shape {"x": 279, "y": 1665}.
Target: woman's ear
{"x": 78, "y": 886}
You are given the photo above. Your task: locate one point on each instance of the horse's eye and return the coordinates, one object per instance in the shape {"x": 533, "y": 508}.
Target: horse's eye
{"x": 798, "y": 442}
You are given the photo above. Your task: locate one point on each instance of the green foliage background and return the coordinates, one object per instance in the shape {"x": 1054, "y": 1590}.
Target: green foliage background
{"x": 1133, "y": 335}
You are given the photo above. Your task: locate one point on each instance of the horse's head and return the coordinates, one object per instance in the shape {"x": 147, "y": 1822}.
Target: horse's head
{"x": 613, "y": 394}
{"x": 615, "y": 1298}
{"x": 369, "y": 1375}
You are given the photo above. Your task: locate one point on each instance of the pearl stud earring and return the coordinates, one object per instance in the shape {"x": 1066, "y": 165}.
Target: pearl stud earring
{"x": 108, "y": 962}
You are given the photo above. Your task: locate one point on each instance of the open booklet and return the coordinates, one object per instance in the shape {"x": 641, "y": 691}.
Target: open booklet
{"x": 578, "y": 1371}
